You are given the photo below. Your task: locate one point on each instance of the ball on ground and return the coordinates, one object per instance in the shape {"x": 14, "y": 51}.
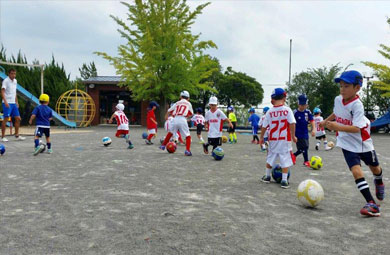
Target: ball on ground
{"x": 2, "y": 149}
{"x": 310, "y": 193}
{"x": 43, "y": 145}
{"x": 330, "y": 144}
{"x": 277, "y": 173}
{"x": 218, "y": 153}
{"x": 144, "y": 135}
{"x": 316, "y": 162}
{"x": 171, "y": 147}
{"x": 224, "y": 139}
{"x": 106, "y": 141}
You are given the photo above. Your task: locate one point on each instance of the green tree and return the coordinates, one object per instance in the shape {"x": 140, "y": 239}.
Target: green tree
{"x": 87, "y": 71}
{"x": 237, "y": 88}
{"x": 382, "y": 72}
{"x": 161, "y": 56}
{"x": 318, "y": 85}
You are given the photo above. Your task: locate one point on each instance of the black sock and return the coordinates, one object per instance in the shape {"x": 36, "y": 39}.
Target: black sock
{"x": 305, "y": 156}
{"x": 297, "y": 152}
{"x": 378, "y": 178}
{"x": 256, "y": 138}
{"x": 215, "y": 146}
{"x": 362, "y": 185}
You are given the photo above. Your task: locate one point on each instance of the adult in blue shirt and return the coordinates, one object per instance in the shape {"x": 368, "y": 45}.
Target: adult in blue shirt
{"x": 303, "y": 117}
{"x": 254, "y": 120}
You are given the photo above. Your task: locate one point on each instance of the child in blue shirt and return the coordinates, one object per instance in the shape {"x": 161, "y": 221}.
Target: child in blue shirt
{"x": 254, "y": 120}
{"x": 43, "y": 115}
{"x": 303, "y": 117}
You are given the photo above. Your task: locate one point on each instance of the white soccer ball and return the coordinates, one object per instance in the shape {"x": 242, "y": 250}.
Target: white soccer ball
{"x": 106, "y": 141}
{"x": 310, "y": 193}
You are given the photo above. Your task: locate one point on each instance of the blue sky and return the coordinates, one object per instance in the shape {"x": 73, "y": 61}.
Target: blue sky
{"x": 252, "y": 36}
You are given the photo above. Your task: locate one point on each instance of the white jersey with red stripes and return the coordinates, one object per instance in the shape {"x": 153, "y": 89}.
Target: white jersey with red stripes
{"x": 320, "y": 131}
{"x": 261, "y": 121}
{"x": 352, "y": 114}
{"x": 182, "y": 108}
{"x": 121, "y": 120}
{"x": 215, "y": 120}
{"x": 278, "y": 120}
{"x": 198, "y": 119}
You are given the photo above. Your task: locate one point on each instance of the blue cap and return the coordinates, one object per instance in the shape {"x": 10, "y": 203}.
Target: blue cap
{"x": 302, "y": 99}
{"x": 230, "y": 108}
{"x": 316, "y": 110}
{"x": 278, "y": 92}
{"x": 199, "y": 110}
{"x": 251, "y": 110}
{"x": 265, "y": 109}
{"x": 153, "y": 103}
{"x": 351, "y": 77}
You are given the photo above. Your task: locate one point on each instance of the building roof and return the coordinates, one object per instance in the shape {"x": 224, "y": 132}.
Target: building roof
{"x": 103, "y": 80}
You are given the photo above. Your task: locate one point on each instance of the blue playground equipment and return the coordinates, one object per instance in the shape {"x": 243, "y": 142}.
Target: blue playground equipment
{"x": 34, "y": 101}
{"x": 382, "y": 122}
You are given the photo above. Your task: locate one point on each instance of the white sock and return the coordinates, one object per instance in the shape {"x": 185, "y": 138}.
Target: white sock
{"x": 325, "y": 144}
{"x": 284, "y": 176}
{"x": 268, "y": 172}
{"x": 201, "y": 139}
{"x": 318, "y": 143}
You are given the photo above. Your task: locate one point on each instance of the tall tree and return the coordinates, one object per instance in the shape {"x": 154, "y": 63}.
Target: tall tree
{"x": 382, "y": 72}
{"x": 319, "y": 86}
{"x": 237, "y": 88}
{"x": 161, "y": 56}
{"x": 87, "y": 71}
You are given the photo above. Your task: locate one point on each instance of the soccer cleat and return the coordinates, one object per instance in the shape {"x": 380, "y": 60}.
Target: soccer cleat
{"x": 316, "y": 147}
{"x": 20, "y": 138}
{"x": 230, "y": 142}
{"x": 4, "y": 139}
{"x": 307, "y": 164}
{"x": 148, "y": 142}
{"x": 284, "y": 184}
{"x": 162, "y": 147}
{"x": 205, "y": 149}
{"x": 266, "y": 179}
{"x": 38, "y": 149}
{"x": 187, "y": 153}
{"x": 130, "y": 146}
{"x": 127, "y": 138}
{"x": 379, "y": 191}
{"x": 370, "y": 209}
{"x": 50, "y": 151}
{"x": 253, "y": 141}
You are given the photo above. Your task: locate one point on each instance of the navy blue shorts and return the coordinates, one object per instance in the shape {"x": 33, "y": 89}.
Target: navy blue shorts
{"x": 255, "y": 130}
{"x": 353, "y": 158}
{"x": 40, "y": 131}
{"x": 302, "y": 144}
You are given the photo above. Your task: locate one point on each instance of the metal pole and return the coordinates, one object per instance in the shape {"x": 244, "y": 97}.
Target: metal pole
{"x": 368, "y": 90}
{"x": 289, "y": 69}
{"x": 42, "y": 66}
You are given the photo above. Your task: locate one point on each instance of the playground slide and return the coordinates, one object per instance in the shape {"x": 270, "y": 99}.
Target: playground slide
{"x": 30, "y": 97}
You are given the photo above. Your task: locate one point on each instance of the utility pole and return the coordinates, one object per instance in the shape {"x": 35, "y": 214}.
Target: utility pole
{"x": 289, "y": 69}
{"x": 368, "y": 90}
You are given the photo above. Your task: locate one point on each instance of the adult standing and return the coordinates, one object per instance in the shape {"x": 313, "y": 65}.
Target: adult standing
{"x": 10, "y": 104}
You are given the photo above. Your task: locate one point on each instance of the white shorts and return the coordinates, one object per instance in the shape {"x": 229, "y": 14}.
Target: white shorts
{"x": 152, "y": 131}
{"x": 180, "y": 124}
{"x": 285, "y": 159}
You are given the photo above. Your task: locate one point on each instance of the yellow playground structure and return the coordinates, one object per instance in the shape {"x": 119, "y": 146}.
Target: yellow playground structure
{"x": 76, "y": 105}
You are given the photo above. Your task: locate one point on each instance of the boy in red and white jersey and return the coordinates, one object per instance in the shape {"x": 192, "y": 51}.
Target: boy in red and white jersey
{"x": 151, "y": 123}
{"x": 320, "y": 131}
{"x": 214, "y": 124}
{"x": 123, "y": 124}
{"x": 353, "y": 136}
{"x": 199, "y": 121}
{"x": 168, "y": 127}
{"x": 281, "y": 122}
{"x": 181, "y": 110}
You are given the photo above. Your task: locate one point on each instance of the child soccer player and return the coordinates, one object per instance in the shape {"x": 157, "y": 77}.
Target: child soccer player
{"x": 43, "y": 115}
{"x": 281, "y": 122}
{"x": 353, "y": 130}
{"x": 254, "y": 120}
{"x": 261, "y": 121}
{"x": 320, "y": 131}
{"x": 151, "y": 123}
{"x": 233, "y": 119}
{"x": 123, "y": 124}
{"x": 303, "y": 117}
{"x": 181, "y": 110}
{"x": 168, "y": 127}
{"x": 198, "y": 120}
{"x": 214, "y": 123}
